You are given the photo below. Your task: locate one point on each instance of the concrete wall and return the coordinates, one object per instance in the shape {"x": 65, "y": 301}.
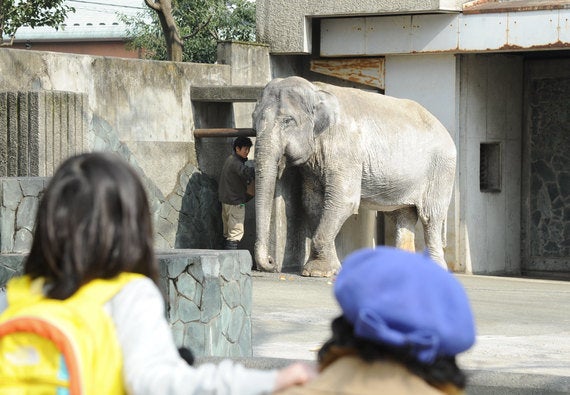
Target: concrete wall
{"x": 146, "y": 105}
{"x": 490, "y": 110}
{"x": 287, "y": 25}
{"x": 144, "y": 111}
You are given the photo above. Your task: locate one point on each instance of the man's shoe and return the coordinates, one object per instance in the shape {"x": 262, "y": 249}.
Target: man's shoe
{"x": 231, "y": 245}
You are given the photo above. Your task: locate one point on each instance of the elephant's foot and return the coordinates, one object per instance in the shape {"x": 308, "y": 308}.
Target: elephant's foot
{"x": 320, "y": 268}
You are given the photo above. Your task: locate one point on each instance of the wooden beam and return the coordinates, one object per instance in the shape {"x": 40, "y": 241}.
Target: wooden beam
{"x": 366, "y": 71}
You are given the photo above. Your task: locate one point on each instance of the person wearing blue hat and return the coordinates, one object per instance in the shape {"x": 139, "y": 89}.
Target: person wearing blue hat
{"x": 404, "y": 320}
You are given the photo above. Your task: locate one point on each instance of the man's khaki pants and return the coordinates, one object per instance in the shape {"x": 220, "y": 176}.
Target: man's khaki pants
{"x": 232, "y": 218}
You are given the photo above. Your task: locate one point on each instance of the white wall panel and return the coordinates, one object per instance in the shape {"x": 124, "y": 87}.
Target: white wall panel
{"x": 434, "y": 33}
{"x": 430, "y": 33}
{"x": 482, "y": 32}
{"x": 388, "y": 37}
{"x": 526, "y": 29}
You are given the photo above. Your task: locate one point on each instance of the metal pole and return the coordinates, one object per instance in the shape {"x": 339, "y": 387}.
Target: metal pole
{"x": 224, "y": 132}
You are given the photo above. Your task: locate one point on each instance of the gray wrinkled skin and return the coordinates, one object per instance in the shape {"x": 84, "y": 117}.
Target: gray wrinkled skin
{"x": 353, "y": 148}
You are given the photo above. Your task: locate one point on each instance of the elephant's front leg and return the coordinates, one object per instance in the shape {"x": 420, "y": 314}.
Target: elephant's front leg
{"x": 323, "y": 261}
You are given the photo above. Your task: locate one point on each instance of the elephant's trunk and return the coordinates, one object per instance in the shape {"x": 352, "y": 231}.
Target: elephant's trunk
{"x": 266, "y": 157}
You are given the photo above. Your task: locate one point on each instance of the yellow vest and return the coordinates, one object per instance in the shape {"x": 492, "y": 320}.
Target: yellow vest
{"x": 60, "y": 347}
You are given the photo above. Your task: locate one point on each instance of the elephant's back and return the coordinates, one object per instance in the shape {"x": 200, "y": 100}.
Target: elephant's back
{"x": 399, "y": 129}
{"x": 391, "y": 111}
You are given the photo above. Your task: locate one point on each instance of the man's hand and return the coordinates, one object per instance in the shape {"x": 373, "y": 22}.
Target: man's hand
{"x": 298, "y": 373}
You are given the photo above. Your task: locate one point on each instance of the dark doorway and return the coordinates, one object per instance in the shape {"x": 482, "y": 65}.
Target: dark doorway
{"x": 546, "y": 169}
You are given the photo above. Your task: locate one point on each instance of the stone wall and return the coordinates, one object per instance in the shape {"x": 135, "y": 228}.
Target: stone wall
{"x": 546, "y": 174}
{"x": 550, "y": 167}
{"x": 19, "y": 200}
{"x": 208, "y": 298}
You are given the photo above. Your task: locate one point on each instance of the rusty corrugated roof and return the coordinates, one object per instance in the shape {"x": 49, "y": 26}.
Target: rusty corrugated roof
{"x": 494, "y": 6}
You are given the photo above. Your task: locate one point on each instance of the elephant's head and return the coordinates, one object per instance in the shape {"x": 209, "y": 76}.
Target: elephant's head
{"x": 289, "y": 117}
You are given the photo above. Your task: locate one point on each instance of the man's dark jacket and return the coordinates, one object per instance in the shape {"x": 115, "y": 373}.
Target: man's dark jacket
{"x": 234, "y": 179}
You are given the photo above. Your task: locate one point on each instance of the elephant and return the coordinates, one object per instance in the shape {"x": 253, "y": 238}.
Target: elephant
{"x": 354, "y": 149}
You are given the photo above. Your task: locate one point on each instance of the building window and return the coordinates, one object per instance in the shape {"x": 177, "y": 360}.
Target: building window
{"x": 490, "y": 167}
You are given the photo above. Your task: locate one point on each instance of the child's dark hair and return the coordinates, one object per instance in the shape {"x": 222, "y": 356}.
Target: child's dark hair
{"x": 440, "y": 374}
{"x": 187, "y": 355}
{"x": 93, "y": 222}
{"x": 242, "y": 141}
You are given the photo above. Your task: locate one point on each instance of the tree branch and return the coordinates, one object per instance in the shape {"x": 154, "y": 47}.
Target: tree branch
{"x": 199, "y": 28}
{"x": 154, "y": 5}
{"x": 11, "y": 43}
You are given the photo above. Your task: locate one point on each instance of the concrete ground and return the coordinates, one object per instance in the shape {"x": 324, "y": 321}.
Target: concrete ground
{"x": 523, "y": 328}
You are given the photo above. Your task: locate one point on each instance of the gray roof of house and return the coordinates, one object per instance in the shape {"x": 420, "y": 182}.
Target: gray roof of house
{"x": 92, "y": 19}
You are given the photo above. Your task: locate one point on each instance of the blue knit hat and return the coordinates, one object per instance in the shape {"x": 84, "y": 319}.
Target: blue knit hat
{"x": 404, "y": 299}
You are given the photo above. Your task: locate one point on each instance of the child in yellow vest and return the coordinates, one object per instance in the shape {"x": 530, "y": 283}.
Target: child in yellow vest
{"x": 93, "y": 245}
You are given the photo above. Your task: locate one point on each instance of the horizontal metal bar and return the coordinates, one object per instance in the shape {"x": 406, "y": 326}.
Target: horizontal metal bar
{"x": 224, "y": 132}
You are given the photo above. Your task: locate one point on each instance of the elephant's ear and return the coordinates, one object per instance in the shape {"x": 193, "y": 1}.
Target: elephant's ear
{"x": 326, "y": 111}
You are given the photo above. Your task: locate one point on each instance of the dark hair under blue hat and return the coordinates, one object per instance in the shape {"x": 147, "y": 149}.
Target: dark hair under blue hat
{"x": 404, "y": 299}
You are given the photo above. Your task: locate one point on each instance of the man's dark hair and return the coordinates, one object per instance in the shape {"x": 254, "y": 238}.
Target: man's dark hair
{"x": 241, "y": 141}
{"x": 93, "y": 222}
{"x": 441, "y": 372}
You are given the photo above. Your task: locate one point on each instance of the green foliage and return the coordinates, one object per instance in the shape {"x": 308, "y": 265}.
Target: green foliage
{"x": 33, "y": 13}
{"x": 201, "y": 24}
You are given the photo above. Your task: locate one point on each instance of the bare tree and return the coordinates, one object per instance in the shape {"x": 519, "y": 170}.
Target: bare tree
{"x": 174, "y": 44}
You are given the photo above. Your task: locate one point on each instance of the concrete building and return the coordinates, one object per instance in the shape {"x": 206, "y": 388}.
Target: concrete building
{"x": 497, "y": 74}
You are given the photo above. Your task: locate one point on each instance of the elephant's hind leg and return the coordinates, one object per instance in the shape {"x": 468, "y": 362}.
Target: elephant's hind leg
{"x": 405, "y": 220}
{"x": 433, "y": 233}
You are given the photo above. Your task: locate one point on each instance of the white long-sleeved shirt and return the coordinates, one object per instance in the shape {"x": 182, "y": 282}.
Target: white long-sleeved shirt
{"x": 151, "y": 361}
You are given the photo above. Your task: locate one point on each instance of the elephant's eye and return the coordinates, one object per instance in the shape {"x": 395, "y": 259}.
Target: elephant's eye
{"x": 289, "y": 121}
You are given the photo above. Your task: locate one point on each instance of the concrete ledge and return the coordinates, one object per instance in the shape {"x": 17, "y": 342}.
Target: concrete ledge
{"x": 225, "y": 94}
{"x": 481, "y": 382}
